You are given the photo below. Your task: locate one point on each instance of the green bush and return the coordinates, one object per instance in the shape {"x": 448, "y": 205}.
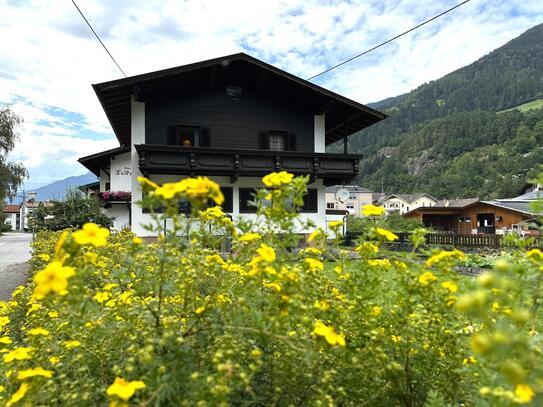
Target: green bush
{"x": 110, "y": 319}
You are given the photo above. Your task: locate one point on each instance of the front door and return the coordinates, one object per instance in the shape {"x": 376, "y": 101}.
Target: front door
{"x": 486, "y": 223}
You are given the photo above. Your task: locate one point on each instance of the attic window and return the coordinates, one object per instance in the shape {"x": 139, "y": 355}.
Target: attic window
{"x": 188, "y": 136}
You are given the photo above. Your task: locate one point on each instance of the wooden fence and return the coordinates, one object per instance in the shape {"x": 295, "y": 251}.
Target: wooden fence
{"x": 451, "y": 240}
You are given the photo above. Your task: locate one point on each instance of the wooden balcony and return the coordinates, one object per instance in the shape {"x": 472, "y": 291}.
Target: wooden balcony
{"x": 163, "y": 159}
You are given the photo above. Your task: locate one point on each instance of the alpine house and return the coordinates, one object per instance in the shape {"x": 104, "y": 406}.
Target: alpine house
{"x": 233, "y": 119}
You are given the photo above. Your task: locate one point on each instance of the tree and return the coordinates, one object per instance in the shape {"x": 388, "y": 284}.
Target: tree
{"x": 11, "y": 174}
{"x": 74, "y": 212}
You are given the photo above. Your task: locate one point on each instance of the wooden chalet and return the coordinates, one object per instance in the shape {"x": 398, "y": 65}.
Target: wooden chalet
{"x": 234, "y": 119}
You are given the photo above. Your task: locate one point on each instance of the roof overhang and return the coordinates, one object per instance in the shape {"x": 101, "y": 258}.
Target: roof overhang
{"x": 101, "y": 160}
{"x": 343, "y": 116}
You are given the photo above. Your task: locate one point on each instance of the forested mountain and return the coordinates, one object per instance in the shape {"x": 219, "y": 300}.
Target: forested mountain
{"x": 446, "y": 137}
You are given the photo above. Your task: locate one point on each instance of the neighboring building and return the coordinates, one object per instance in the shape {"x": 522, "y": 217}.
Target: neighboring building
{"x": 472, "y": 216}
{"x": 27, "y": 208}
{"x": 233, "y": 119}
{"x": 358, "y": 197}
{"x": 12, "y": 214}
{"x": 400, "y": 204}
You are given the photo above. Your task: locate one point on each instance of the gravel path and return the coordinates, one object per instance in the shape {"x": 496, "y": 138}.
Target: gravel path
{"x": 14, "y": 253}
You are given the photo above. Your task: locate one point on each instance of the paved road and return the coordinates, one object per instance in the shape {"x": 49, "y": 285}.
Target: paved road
{"x": 14, "y": 253}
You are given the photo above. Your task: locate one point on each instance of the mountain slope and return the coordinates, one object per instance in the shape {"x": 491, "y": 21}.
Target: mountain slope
{"x": 57, "y": 190}
{"x": 428, "y": 126}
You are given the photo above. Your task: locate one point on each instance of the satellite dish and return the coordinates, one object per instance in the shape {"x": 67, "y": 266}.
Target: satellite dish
{"x": 342, "y": 195}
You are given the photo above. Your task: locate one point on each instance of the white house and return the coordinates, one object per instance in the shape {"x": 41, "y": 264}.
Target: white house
{"x": 12, "y": 214}
{"x": 233, "y": 119}
{"x": 353, "y": 202}
{"x": 403, "y": 203}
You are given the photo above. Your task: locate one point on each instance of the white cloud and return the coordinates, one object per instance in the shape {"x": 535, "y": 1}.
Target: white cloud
{"x": 50, "y": 58}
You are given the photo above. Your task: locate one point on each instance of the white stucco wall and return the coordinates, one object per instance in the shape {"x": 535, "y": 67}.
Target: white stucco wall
{"x": 320, "y": 133}
{"x": 11, "y": 219}
{"x": 104, "y": 179}
{"x": 138, "y": 137}
{"x": 121, "y": 215}
{"x": 121, "y": 173}
{"x": 243, "y": 182}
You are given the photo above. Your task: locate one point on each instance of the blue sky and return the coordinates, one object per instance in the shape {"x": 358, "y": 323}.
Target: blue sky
{"x": 49, "y": 58}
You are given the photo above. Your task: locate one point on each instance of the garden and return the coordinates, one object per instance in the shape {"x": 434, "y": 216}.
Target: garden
{"x": 108, "y": 319}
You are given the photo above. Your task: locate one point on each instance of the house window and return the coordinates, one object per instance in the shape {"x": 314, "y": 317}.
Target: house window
{"x": 330, "y": 205}
{"x": 350, "y": 206}
{"x": 188, "y": 136}
{"x": 277, "y": 141}
{"x": 246, "y": 196}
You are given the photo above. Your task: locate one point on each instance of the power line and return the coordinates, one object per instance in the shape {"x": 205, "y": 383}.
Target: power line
{"x": 387, "y": 41}
{"x": 96, "y": 35}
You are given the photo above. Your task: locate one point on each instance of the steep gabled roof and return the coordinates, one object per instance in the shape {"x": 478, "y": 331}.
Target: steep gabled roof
{"x": 343, "y": 116}
{"x": 100, "y": 160}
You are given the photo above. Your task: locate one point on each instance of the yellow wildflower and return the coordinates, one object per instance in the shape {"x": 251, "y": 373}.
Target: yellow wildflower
{"x": 524, "y": 393}
{"x": 427, "y": 278}
{"x": 33, "y": 307}
{"x": 276, "y": 179}
{"x": 38, "y": 332}
{"x": 19, "y": 394}
{"x": 375, "y": 311}
{"x": 146, "y": 183}
{"x": 266, "y": 253}
{"x": 315, "y": 234}
{"x": 54, "y": 278}
{"x": 54, "y": 360}
{"x": 379, "y": 263}
{"x": 4, "y": 321}
{"x": 72, "y": 344}
{"x": 535, "y": 255}
{"x": 37, "y": 371}
{"x": 44, "y": 257}
{"x": 53, "y": 314}
{"x": 92, "y": 234}
{"x": 329, "y": 333}
{"x": 436, "y": 258}
{"x": 5, "y": 340}
{"x": 137, "y": 240}
{"x": 372, "y": 210}
{"x": 385, "y": 234}
{"x": 124, "y": 389}
{"x": 367, "y": 247}
{"x": 335, "y": 224}
{"x": 273, "y": 286}
{"x": 101, "y": 296}
{"x": 249, "y": 237}
{"x": 18, "y": 354}
{"x": 110, "y": 286}
{"x": 314, "y": 264}
{"x": 256, "y": 353}
{"x": 203, "y": 188}
{"x": 450, "y": 285}
{"x": 323, "y": 305}
{"x": 199, "y": 310}
{"x": 169, "y": 190}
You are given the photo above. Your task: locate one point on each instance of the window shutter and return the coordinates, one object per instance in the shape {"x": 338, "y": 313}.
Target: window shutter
{"x": 291, "y": 142}
{"x": 172, "y": 136}
{"x": 263, "y": 143}
{"x": 204, "y": 138}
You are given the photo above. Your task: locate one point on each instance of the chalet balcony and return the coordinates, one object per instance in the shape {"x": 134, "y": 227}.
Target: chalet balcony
{"x": 164, "y": 159}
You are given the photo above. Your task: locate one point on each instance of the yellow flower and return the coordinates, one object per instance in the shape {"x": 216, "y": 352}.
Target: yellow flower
{"x": 323, "y": 305}
{"x": 427, "y": 278}
{"x": 273, "y": 286}
{"x": 329, "y": 333}
{"x": 110, "y": 286}
{"x": 335, "y": 224}
{"x": 385, "y": 234}
{"x": 524, "y": 393}
{"x": 4, "y": 321}
{"x": 18, "y": 395}
{"x": 38, "y": 332}
{"x": 379, "y": 263}
{"x": 123, "y": 389}
{"x": 44, "y": 257}
{"x": 146, "y": 183}
{"x": 450, "y": 285}
{"x": 92, "y": 234}
{"x": 72, "y": 344}
{"x": 137, "y": 240}
{"x": 53, "y": 314}
{"x": 54, "y": 278}
{"x": 315, "y": 234}
{"x": 256, "y": 353}
{"x": 535, "y": 255}
{"x": 249, "y": 237}
{"x": 314, "y": 264}
{"x": 101, "y": 296}
{"x": 469, "y": 361}
{"x": 276, "y": 179}
{"x": 199, "y": 310}
{"x": 54, "y": 360}
{"x": 375, "y": 311}
{"x": 18, "y": 354}
{"x": 372, "y": 210}
{"x": 367, "y": 247}
{"x": 436, "y": 258}
{"x": 266, "y": 253}
{"x": 5, "y": 340}
{"x": 202, "y": 188}
{"x": 37, "y": 371}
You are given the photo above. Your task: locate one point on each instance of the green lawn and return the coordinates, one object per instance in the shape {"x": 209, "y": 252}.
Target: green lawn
{"x": 534, "y": 104}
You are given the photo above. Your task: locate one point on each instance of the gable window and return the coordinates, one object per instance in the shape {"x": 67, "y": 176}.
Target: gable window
{"x": 277, "y": 141}
{"x": 330, "y": 205}
{"x": 188, "y": 136}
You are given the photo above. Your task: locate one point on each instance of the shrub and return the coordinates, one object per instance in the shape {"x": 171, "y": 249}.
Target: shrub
{"x": 107, "y": 318}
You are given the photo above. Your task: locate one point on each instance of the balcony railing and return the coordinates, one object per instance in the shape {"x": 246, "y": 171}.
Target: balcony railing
{"x": 163, "y": 159}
